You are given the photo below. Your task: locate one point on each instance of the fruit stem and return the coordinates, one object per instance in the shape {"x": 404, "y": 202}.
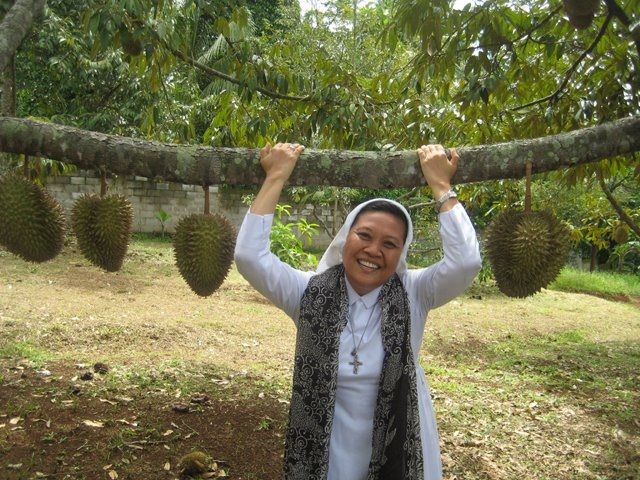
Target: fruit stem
{"x": 206, "y": 199}
{"x": 527, "y": 194}
{"x": 25, "y": 167}
{"x": 103, "y": 182}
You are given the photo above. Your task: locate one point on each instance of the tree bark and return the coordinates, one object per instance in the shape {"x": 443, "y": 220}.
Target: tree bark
{"x": 15, "y": 25}
{"x": 200, "y": 165}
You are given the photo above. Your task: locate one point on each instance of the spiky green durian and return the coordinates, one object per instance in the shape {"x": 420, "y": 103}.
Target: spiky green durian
{"x": 131, "y": 45}
{"x": 526, "y": 251}
{"x": 580, "y": 7}
{"x": 103, "y": 226}
{"x": 32, "y": 222}
{"x": 203, "y": 247}
{"x": 621, "y": 233}
{"x": 581, "y": 12}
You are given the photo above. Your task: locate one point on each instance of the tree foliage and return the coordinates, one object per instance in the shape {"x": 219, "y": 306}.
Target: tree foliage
{"x": 388, "y": 75}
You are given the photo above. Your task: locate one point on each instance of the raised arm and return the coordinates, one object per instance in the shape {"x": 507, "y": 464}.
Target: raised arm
{"x": 448, "y": 278}
{"x": 276, "y": 280}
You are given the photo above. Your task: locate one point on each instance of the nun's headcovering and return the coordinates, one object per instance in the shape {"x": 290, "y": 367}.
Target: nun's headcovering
{"x": 333, "y": 255}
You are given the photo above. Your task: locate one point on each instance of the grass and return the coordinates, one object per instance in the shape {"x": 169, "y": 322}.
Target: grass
{"x": 605, "y": 283}
{"x": 25, "y": 350}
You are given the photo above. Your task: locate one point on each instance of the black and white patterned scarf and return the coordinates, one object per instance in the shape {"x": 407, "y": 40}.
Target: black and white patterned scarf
{"x": 397, "y": 449}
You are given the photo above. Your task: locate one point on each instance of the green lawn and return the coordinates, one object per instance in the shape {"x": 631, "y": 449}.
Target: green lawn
{"x": 607, "y": 283}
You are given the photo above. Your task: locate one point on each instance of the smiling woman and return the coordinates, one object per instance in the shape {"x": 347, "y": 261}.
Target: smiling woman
{"x": 360, "y": 405}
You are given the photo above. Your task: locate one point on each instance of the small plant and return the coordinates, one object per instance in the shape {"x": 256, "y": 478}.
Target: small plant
{"x": 163, "y": 217}
{"x": 286, "y": 244}
{"x": 266, "y": 423}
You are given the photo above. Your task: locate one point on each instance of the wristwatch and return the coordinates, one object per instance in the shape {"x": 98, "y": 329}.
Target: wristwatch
{"x": 445, "y": 196}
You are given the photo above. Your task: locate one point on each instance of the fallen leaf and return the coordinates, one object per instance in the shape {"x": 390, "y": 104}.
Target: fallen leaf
{"x": 107, "y": 467}
{"x": 167, "y": 447}
{"x": 167, "y": 433}
{"x": 14, "y": 420}
{"x": 14, "y": 466}
{"x": 167, "y": 466}
{"x": 91, "y": 423}
{"x": 222, "y": 473}
{"x": 110, "y": 402}
{"x": 113, "y": 474}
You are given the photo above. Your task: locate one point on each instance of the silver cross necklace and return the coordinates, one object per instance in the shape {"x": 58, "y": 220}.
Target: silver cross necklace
{"x": 354, "y": 353}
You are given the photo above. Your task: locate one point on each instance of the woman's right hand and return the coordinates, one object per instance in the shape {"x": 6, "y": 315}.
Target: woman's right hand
{"x": 279, "y": 161}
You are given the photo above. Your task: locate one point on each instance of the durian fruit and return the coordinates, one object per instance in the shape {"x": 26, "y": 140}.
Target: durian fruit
{"x": 621, "y": 233}
{"x": 130, "y": 44}
{"x": 32, "y": 222}
{"x": 194, "y": 463}
{"x": 102, "y": 226}
{"x": 580, "y": 12}
{"x": 526, "y": 251}
{"x": 203, "y": 245}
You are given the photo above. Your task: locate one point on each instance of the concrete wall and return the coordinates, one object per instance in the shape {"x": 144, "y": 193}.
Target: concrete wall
{"x": 148, "y": 197}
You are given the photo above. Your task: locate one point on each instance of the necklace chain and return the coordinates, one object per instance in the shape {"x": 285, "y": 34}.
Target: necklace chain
{"x": 354, "y": 353}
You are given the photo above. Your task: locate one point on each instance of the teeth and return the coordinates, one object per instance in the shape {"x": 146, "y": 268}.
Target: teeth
{"x": 368, "y": 264}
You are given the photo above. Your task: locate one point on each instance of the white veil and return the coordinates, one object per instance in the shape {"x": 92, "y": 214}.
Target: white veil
{"x": 333, "y": 255}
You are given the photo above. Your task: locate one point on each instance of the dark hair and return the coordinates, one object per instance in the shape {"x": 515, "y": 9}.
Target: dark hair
{"x": 387, "y": 207}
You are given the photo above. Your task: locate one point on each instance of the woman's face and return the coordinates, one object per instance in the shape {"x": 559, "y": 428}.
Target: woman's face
{"x": 372, "y": 250}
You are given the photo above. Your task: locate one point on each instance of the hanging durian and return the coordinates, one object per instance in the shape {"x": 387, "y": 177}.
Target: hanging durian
{"x": 526, "y": 249}
{"x": 130, "y": 44}
{"x": 621, "y": 233}
{"x": 580, "y": 12}
{"x": 102, "y": 226}
{"x": 32, "y": 222}
{"x": 204, "y": 245}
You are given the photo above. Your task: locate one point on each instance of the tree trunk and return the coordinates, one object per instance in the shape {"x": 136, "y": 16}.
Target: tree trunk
{"x": 616, "y": 206}
{"x": 594, "y": 258}
{"x": 200, "y": 165}
{"x": 15, "y": 25}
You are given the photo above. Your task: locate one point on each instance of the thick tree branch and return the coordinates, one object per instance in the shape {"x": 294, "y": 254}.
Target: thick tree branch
{"x": 567, "y": 76}
{"x": 616, "y": 206}
{"x": 200, "y": 165}
{"x": 15, "y": 25}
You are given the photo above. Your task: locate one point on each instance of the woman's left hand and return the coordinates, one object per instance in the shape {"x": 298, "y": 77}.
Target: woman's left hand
{"x": 437, "y": 168}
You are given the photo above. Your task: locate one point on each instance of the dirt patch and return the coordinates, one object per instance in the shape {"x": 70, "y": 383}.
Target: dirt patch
{"x": 53, "y": 427}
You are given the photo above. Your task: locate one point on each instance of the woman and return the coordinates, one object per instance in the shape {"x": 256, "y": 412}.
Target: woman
{"x": 360, "y": 406}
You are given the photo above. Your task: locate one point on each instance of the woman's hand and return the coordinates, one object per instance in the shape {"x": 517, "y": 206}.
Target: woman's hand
{"x": 437, "y": 168}
{"x": 279, "y": 161}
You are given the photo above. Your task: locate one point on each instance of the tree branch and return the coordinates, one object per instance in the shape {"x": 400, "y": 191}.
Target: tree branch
{"x": 616, "y": 206}
{"x": 617, "y": 11}
{"x": 15, "y": 25}
{"x": 200, "y": 165}
{"x": 555, "y": 95}
{"x": 187, "y": 59}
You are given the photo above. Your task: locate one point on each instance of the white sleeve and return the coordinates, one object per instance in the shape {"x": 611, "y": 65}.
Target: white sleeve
{"x": 443, "y": 281}
{"x": 279, "y": 282}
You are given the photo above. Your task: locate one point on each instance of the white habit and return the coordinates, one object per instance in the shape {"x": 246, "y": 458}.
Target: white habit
{"x": 427, "y": 288}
